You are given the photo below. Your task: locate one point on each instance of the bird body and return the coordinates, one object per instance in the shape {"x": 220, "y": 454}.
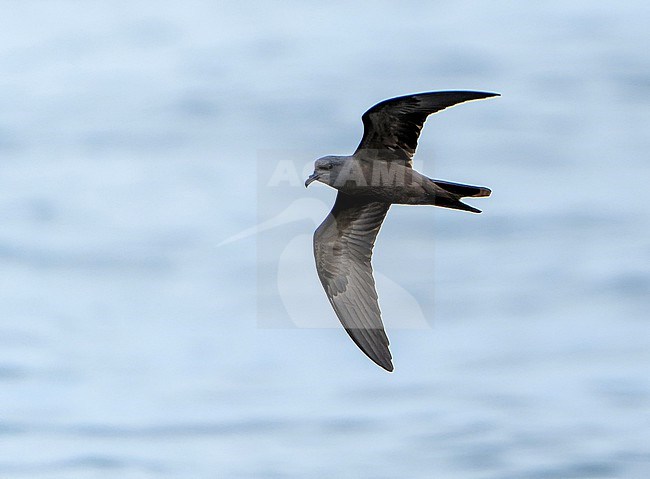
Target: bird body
{"x": 378, "y": 174}
{"x": 391, "y": 182}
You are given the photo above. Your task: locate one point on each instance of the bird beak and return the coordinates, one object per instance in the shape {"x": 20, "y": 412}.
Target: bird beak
{"x": 311, "y": 179}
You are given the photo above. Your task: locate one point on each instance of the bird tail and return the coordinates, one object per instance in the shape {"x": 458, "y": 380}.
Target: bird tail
{"x": 463, "y": 190}
{"x": 455, "y": 192}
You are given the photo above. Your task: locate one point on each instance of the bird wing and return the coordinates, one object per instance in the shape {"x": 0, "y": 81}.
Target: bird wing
{"x": 395, "y": 124}
{"x": 343, "y": 250}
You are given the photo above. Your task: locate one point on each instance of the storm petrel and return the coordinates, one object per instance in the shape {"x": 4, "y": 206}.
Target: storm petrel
{"x": 378, "y": 174}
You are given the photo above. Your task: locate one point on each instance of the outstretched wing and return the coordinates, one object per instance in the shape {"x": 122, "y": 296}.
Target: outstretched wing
{"x": 395, "y": 124}
{"x": 343, "y": 250}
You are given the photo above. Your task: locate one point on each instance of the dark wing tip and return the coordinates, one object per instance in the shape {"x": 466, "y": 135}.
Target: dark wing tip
{"x": 389, "y": 367}
{"x": 469, "y": 95}
{"x": 376, "y": 349}
{"x": 478, "y": 95}
{"x": 383, "y": 362}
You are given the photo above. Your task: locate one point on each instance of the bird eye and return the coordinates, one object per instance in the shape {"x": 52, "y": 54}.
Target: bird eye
{"x": 327, "y": 167}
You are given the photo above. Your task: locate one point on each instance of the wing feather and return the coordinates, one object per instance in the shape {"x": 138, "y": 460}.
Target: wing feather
{"x": 343, "y": 250}
{"x": 395, "y": 124}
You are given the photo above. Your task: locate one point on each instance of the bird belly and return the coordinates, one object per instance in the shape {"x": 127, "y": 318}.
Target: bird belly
{"x": 404, "y": 195}
{"x": 393, "y": 184}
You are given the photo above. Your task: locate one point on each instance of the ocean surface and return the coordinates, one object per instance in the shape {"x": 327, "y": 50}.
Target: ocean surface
{"x": 160, "y": 314}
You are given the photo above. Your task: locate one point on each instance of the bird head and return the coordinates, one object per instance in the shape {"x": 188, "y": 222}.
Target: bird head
{"x": 325, "y": 170}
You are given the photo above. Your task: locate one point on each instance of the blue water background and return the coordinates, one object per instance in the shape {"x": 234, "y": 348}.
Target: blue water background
{"x": 130, "y": 340}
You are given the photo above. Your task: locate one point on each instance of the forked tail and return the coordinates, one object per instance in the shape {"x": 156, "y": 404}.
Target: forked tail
{"x": 454, "y": 192}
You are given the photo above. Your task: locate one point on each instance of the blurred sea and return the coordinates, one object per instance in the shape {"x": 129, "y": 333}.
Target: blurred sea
{"x": 130, "y": 341}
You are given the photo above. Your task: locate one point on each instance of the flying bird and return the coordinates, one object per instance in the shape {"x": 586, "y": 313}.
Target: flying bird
{"x": 378, "y": 174}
